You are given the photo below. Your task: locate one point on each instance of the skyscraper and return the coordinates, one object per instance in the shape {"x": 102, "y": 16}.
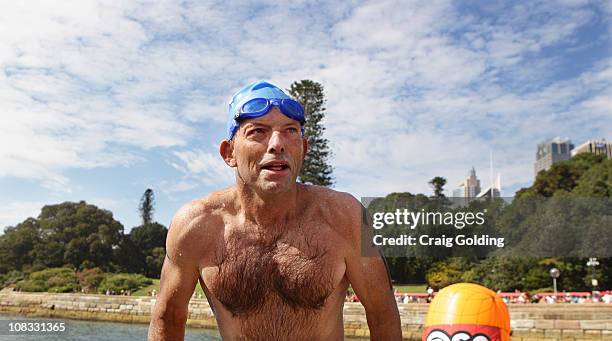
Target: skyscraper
{"x": 552, "y": 151}
{"x": 599, "y": 147}
{"x": 468, "y": 188}
{"x": 493, "y": 191}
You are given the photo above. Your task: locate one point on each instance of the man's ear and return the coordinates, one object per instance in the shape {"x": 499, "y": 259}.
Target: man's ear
{"x": 304, "y": 147}
{"x": 226, "y": 149}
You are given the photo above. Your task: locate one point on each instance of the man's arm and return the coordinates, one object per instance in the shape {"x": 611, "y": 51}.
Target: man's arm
{"x": 369, "y": 277}
{"x": 179, "y": 276}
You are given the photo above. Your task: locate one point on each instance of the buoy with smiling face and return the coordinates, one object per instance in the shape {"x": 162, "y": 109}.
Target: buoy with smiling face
{"x": 467, "y": 312}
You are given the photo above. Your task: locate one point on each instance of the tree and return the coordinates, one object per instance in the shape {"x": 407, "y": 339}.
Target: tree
{"x": 130, "y": 257}
{"x": 596, "y": 182}
{"x": 316, "y": 168}
{"x": 147, "y": 237}
{"x": 447, "y": 272}
{"x": 63, "y": 234}
{"x": 17, "y": 243}
{"x": 437, "y": 184}
{"x": 564, "y": 176}
{"x": 155, "y": 261}
{"x": 147, "y": 203}
{"x": 149, "y": 241}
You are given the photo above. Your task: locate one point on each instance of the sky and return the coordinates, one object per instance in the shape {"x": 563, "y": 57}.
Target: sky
{"x": 100, "y": 100}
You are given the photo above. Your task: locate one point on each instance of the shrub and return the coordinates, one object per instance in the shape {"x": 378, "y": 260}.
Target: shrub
{"x": 51, "y": 280}
{"x": 123, "y": 281}
{"x": 11, "y": 278}
{"x": 90, "y": 279}
{"x": 32, "y": 286}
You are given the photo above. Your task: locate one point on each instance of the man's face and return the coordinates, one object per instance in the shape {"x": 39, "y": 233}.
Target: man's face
{"x": 269, "y": 151}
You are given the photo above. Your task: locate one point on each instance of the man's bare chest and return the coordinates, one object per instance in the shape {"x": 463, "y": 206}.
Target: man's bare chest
{"x": 298, "y": 269}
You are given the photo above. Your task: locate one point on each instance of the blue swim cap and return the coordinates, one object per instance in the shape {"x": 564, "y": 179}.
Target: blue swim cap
{"x": 260, "y": 90}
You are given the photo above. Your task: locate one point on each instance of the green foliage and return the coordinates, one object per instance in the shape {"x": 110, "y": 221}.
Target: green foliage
{"x": 17, "y": 244}
{"x": 123, "y": 282}
{"x": 146, "y": 291}
{"x": 530, "y": 273}
{"x": 78, "y": 234}
{"x": 596, "y": 181}
{"x": 572, "y": 221}
{"x": 90, "y": 279}
{"x": 81, "y": 236}
{"x": 409, "y": 269}
{"x": 565, "y": 176}
{"x": 316, "y": 168}
{"x": 11, "y": 278}
{"x": 502, "y": 273}
{"x": 31, "y": 286}
{"x": 447, "y": 272}
{"x": 149, "y": 241}
{"x": 437, "y": 183}
{"x": 147, "y": 206}
{"x": 154, "y": 262}
{"x": 129, "y": 256}
{"x": 75, "y": 232}
{"x": 147, "y": 237}
{"x": 51, "y": 280}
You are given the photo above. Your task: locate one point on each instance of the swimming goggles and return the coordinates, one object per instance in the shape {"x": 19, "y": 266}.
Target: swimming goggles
{"x": 258, "y": 107}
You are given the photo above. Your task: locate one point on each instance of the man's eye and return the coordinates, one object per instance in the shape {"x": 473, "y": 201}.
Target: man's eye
{"x": 257, "y": 131}
{"x": 292, "y": 129}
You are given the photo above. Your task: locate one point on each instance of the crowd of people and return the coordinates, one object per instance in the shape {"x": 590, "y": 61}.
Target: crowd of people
{"x": 511, "y": 297}
{"x": 560, "y": 297}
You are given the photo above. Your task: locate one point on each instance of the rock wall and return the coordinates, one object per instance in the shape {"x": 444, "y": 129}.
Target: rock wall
{"x": 566, "y": 322}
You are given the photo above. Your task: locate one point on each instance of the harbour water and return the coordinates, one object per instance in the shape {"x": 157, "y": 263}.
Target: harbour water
{"x": 77, "y": 330}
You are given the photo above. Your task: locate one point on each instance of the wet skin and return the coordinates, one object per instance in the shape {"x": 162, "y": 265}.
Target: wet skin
{"x": 274, "y": 257}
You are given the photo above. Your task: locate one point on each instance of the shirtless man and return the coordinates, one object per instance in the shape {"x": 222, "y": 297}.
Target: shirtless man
{"x": 273, "y": 256}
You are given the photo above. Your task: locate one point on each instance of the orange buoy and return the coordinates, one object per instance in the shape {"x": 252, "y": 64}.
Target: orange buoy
{"x": 467, "y": 312}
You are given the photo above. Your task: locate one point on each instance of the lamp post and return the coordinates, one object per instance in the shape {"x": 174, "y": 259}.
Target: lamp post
{"x": 554, "y": 273}
{"x": 592, "y": 263}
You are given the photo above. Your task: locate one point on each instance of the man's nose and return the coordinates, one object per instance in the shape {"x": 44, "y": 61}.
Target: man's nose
{"x": 276, "y": 144}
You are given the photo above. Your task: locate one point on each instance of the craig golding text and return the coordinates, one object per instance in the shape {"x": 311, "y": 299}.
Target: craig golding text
{"x": 426, "y": 240}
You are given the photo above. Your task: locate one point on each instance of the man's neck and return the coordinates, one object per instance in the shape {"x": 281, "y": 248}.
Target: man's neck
{"x": 268, "y": 210}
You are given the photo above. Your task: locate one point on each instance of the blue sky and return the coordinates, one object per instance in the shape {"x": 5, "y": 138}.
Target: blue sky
{"x": 102, "y": 100}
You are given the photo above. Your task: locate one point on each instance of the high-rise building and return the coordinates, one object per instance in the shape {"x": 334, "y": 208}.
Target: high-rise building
{"x": 493, "y": 191}
{"x": 599, "y": 147}
{"x": 468, "y": 188}
{"x": 489, "y": 193}
{"x": 552, "y": 151}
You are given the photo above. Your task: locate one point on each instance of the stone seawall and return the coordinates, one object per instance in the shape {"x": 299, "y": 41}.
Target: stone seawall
{"x": 563, "y": 322}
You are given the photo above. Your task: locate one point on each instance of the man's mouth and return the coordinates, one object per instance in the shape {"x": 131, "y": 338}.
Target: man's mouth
{"x": 276, "y": 166}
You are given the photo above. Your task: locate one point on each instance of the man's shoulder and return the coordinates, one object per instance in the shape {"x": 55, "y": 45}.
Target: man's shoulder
{"x": 333, "y": 200}
{"x": 214, "y": 204}
{"x": 341, "y": 210}
{"x": 199, "y": 221}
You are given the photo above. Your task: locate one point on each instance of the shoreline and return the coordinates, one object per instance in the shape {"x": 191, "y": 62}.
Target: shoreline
{"x": 529, "y": 321}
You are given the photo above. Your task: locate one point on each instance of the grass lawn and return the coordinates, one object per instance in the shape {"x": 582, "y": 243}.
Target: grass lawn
{"x": 146, "y": 291}
{"x": 412, "y": 288}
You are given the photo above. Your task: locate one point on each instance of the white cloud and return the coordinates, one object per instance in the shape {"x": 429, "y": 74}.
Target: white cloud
{"x": 169, "y": 187}
{"x": 65, "y": 86}
{"x": 14, "y": 212}
{"x": 205, "y": 167}
{"x": 414, "y": 89}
